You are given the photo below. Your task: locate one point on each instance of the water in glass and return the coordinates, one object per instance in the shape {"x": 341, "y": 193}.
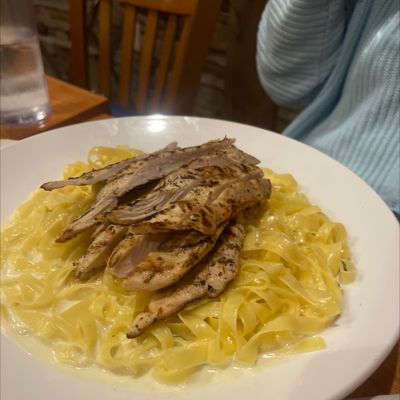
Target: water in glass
{"x": 23, "y": 89}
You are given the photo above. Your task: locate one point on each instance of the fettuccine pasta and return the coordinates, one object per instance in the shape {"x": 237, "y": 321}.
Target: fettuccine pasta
{"x": 292, "y": 263}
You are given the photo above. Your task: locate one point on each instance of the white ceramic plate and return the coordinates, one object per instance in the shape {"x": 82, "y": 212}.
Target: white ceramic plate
{"x": 356, "y": 344}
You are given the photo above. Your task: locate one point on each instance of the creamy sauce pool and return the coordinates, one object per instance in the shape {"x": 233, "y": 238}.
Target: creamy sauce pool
{"x": 42, "y": 351}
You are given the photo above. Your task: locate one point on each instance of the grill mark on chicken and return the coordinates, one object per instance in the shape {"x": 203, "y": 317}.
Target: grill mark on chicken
{"x": 181, "y": 239}
{"x": 210, "y": 278}
{"x": 163, "y": 268}
{"x": 99, "y": 250}
{"x": 155, "y": 166}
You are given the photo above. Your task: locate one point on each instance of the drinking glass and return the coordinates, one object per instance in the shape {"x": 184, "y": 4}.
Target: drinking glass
{"x": 23, "y": 90}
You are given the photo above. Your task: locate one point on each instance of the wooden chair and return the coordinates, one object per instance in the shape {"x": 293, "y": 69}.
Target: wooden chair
{"x": 181, "y": 59}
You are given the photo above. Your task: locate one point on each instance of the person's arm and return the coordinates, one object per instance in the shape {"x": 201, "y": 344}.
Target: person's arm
{"x": 298, "y": 43}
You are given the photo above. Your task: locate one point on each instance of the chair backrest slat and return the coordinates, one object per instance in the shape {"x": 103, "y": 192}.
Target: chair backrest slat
{"x": 105, "y": 46}
{"x": 79, "y": 56}
{"x": 201, "y": 30}
{"x": 178, "y": 65}
{"x": 128, "y": 39}
{"x": 145, "y": 59}
{"x": 161, "y": 74}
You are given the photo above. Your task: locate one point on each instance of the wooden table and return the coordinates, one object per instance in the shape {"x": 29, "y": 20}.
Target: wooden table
{"x": 69, "y": 104}
{"x": 385, "y": 380}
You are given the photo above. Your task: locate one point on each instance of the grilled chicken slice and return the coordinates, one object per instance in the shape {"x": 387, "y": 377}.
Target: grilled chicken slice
{"x": 100, "y": 249}
{"x": 93, "y": 215}
{"x": 177, "y": 184}
{"x": 149, "y": 205}
{"x": 99, "y": 228}
{"x": 205, "y": 207}
{"x": 102, "y": 174}
{"x": 194, "y": 183}
{"x": 131, "y": 251}
{"x": 86, "y": 220}
{"x": 155, "y": 166}
{"x": 210, "y": 278}
{"x": 93, "y": 176}
{"x": 163, "y": 268}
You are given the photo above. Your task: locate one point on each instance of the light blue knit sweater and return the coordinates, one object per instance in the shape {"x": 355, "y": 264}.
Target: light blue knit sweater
{"x": 341, "y": 60}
